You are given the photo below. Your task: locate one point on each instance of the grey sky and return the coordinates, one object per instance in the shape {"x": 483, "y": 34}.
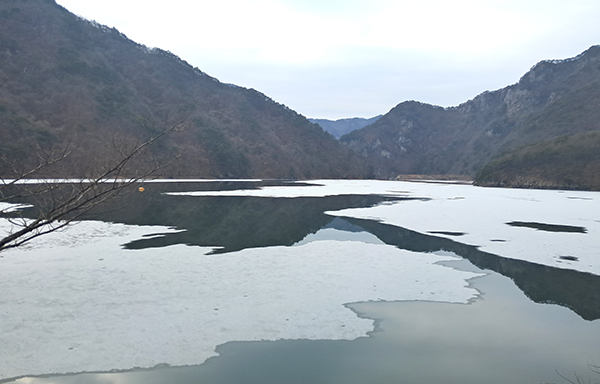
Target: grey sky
{"x": 337, "y": 59}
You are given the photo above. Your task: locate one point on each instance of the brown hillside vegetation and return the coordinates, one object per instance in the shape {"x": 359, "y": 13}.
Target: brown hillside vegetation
{"x": 567, "y": 162}
{"x": 69, "y": 83}
{"x": 555, "y": 98}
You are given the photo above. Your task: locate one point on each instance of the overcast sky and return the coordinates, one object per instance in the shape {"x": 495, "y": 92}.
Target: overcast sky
{"x": 357, "y": 58}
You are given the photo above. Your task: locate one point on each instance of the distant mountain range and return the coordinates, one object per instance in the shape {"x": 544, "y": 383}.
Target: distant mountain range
{"x": 555, "y": 99}
{"x": 339, "y": 128}
{"x": 69, "y": 85}
{"x": 72, "y": 84}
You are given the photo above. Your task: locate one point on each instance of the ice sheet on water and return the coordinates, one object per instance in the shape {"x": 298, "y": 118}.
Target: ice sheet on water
{"x": 336, "y": 234}
{"x": 480, "y": 214}
{"x": 76, "y": 301}
{"x": 320, "y": 188}
{"x": 10, "y": 207}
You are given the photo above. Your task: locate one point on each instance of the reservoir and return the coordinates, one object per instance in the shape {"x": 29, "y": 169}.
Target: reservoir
{"x": 313, "y": 282}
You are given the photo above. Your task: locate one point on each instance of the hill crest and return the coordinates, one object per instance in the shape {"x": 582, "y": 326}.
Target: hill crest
{"x": 554, "y": 98}
{"x": 70, "y": 83}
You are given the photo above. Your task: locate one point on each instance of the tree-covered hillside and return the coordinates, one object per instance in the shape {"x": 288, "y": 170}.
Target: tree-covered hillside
{"x": 69, "y": 84}
{"x": 555, "y": 98}
{"x": 566, "y": 162}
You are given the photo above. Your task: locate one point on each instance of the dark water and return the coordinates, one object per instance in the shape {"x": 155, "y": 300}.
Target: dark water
{"x": 531, "y": 324}
{"x": 501, "y": 337}
{"x": 548, "y": 227}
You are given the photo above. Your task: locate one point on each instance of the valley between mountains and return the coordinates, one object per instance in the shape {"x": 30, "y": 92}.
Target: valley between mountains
{"x": 73, "y": 86}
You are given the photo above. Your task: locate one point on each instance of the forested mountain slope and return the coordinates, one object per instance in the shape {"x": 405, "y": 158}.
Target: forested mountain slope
{"x": 69, "y": 83}
{"x": 555, "y": 98}
{"x": 566, "y": 162}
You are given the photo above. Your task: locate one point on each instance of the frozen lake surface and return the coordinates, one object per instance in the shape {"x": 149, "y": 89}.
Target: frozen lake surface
{"x": 189, "y": 267}
{"x": 479, "y": 216}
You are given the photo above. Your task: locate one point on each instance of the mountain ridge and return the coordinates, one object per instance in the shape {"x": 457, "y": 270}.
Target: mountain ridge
{"x": 340, "y": 127}
{"x": 70, "y": 84}
{"x": 554, "y": 98}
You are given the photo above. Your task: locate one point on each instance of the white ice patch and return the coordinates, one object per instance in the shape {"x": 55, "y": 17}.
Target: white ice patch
{"x": 335, "y": 234}
{"x": 482, "y": 215}
{"x": 9, "y": 207}
{"x": 321, "y": 188}
{"x": 76, "y": 301}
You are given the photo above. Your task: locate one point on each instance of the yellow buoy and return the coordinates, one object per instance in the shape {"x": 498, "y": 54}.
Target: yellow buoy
{"x": 141, "y": 189}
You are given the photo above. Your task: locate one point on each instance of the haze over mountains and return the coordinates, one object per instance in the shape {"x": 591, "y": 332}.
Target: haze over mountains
{"x": 340, "y": 127}
{"x": 71, "y": 84}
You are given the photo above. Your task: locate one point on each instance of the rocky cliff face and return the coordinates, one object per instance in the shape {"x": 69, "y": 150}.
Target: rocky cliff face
{"x": 71, "y": 84}
{"x": 555, "y": 98}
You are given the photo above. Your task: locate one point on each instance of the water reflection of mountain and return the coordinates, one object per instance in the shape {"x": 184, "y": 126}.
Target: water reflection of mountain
{"x": 577, "y": 291}
{"x": 235, "y": 223}
{"x": 228, "y": 223}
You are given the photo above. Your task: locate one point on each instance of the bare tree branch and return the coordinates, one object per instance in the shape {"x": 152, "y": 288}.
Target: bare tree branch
{"x": 578, "y": 379}
{"x": 62, "y": 202}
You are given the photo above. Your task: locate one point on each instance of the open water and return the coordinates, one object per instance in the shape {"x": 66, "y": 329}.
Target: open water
{"x": 530, "y": 323}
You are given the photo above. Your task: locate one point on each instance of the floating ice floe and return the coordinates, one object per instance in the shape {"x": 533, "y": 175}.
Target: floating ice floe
{"x": 472, "y": 215}
{"x": 558, "y": 228}
{"x": 313, "y": 188}
{"x": 76, "y": 301}
{"x": 9, "y": 207}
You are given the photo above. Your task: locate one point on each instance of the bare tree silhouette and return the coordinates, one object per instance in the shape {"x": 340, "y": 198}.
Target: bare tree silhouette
{"x": 60, "y": 202}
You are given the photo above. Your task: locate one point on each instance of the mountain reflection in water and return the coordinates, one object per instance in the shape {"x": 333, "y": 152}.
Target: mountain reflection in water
{"x": 421, "y": 342}
{"x": 575, "y": 290}
{"x": 227, "y": 223}
{"x": 233, "y": 223}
